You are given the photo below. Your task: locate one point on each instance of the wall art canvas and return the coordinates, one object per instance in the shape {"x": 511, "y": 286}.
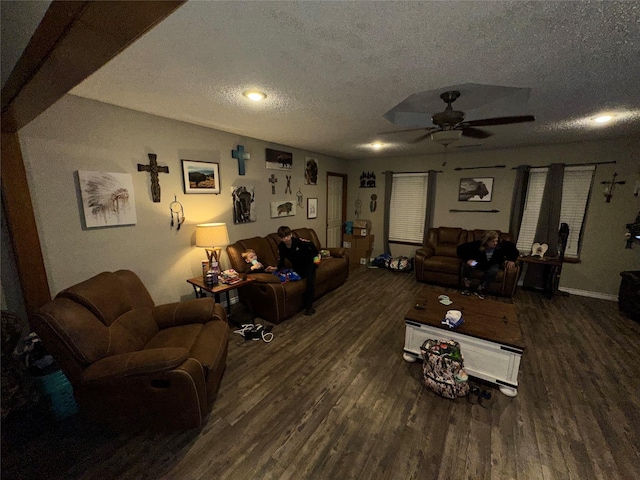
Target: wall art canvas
{"x": 312, "y": 208}
{"x": 244, "y": 210}
{"x": 283, "y": 209}
{"x": 311, "y": 171}
{"x": 107, "y": 199}
{"x": 277, "y": 160}
{"x": 200, "y": 177}
{"x": 476, "y": 189}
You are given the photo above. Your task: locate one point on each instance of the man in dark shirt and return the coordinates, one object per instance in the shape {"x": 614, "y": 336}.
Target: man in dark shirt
{"x": 301, "y": 254}
{"x": 489, "y": 254}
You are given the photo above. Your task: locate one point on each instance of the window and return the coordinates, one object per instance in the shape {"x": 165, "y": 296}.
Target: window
{"x": 408, "y": 207}
{"x": 576, "y": 186}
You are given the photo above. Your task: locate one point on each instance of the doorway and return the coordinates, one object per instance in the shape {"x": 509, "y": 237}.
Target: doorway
{"x": 336, "y": 208}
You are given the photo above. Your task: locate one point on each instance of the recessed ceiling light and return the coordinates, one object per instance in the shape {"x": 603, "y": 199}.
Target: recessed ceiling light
{"x": 255, "y": 95}
{"x": 603, "y": 119}
{"x": 377, "y": 146}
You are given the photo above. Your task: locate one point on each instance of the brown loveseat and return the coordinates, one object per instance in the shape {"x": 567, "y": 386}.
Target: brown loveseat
{"x": 437, "y": 262}
{"x": 129, "y": 360}
{"x": 266, "y": 296}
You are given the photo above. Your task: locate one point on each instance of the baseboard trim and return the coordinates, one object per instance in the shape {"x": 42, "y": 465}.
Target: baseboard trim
{"x": 585, "y": 293}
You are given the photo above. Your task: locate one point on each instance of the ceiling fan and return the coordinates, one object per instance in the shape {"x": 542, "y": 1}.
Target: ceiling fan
{"x": 450, "y": 124}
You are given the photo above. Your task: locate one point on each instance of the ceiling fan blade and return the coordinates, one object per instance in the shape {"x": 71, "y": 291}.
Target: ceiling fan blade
{"x": 407, "y": 130}
{"x": 499, "y": 121}
{"x": 475, "y": 133}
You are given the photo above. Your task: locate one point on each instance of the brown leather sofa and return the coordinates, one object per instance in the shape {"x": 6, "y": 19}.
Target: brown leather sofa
{"x": 132, "y": 361}
{"x": 266, "y": 296}
{"x": 438, "y": 263}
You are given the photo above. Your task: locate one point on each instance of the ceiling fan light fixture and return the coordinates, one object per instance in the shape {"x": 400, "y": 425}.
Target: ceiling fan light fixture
{"x": 255, "y": 95}
{"x": 446, "y": 137}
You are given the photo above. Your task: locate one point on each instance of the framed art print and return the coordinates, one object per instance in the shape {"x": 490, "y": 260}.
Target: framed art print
{"x": 200, "y": 177}
{"x": 277, "y": 160}
{"x": 107, "y": 199}
{"x": 283, "y": 209}
{"x": 475, "y": 189}
{"x": 312, "y": 208}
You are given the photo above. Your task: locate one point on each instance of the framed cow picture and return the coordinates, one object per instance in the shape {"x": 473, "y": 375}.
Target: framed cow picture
{"x": 476, "y": 189}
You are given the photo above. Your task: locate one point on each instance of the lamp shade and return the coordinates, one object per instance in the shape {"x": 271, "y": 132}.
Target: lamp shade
{"x": 210, "y": 235}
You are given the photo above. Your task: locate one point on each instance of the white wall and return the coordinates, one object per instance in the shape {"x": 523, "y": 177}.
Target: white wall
{"x": 603, "y": 254}
{"x": 79, "y": 134}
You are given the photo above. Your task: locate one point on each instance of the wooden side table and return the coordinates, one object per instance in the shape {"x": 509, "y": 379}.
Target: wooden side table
{"x": 552, "y": 267}
{"x": 201, "y": 290}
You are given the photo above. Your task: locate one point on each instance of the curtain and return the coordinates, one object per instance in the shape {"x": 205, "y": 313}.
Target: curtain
{"x": 548, "y": 222}
{"x": 388, "y": 185}
{"x": 518, "y": 200}
{"x": 431, "y": 203}
{"x": 549, "y": 219}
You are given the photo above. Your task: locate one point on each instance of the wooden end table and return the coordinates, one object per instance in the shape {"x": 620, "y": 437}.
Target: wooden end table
{"x": 552, "y": 267}
{"x": 490, "y": 338}
{"x": 201, "y": 290}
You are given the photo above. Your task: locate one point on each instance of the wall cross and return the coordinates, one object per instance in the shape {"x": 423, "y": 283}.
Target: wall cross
{"x": 272, "y": 181}
{"x": 153, "y": 169}
{"x": 241, "y": 155}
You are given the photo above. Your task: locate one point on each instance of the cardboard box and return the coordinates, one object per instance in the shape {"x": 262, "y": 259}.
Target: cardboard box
{"x": 360, "y": 232}
{"x": 362, "y": 224}
{"x": 360, "y": 248}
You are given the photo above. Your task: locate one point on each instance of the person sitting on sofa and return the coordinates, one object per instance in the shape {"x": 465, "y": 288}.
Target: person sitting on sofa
{"x": 251, "y": 258}
{"x": 301, "y": 254}
{"x": 489, "y": 254}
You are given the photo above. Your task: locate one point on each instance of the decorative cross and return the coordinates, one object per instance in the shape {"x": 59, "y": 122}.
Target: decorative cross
{"x": 272, "y": 181}
{"x": 154, "y": 169}
{"x": 608, "y": 190}
{"x": 288, "y": 187}
{"x": 241, "y": 155}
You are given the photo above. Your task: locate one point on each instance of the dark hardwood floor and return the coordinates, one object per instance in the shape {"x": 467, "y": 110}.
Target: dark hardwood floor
{"x": 331, "y": 398}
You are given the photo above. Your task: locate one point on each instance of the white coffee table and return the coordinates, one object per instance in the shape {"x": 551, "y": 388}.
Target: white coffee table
{"x": 490, "y": 339}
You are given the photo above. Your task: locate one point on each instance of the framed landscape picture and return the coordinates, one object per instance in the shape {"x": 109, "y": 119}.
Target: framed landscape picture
{"x": 200, "y": 177}
{"x": 476, "y": 189}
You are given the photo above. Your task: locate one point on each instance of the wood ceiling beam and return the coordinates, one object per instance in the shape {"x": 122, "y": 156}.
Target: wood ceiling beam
{"x": 74, "y": 39}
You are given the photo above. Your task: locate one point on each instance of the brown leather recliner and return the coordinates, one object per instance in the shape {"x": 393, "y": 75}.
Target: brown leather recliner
{"x": 266, "y": 296}
{"x": 129, "y": 360}
{"x": 437, "y": 262}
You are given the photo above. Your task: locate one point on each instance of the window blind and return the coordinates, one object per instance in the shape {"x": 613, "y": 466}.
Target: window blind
{"x": 576, "y": 186}
{"x": 408, "y": 207}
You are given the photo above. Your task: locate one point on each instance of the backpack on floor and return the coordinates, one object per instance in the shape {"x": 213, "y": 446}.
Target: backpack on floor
{"x": 442, "y": 368}
{"x": 401, "y": 264}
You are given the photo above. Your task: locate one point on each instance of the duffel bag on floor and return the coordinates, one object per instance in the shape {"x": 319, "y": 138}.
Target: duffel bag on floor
{"x": 442, "y": 368}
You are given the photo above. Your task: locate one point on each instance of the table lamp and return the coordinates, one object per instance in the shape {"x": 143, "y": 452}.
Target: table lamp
{"x": 212, "y": 236}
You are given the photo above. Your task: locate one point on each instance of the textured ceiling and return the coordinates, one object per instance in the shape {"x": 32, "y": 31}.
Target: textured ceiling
{"x": 331, "y": 70}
